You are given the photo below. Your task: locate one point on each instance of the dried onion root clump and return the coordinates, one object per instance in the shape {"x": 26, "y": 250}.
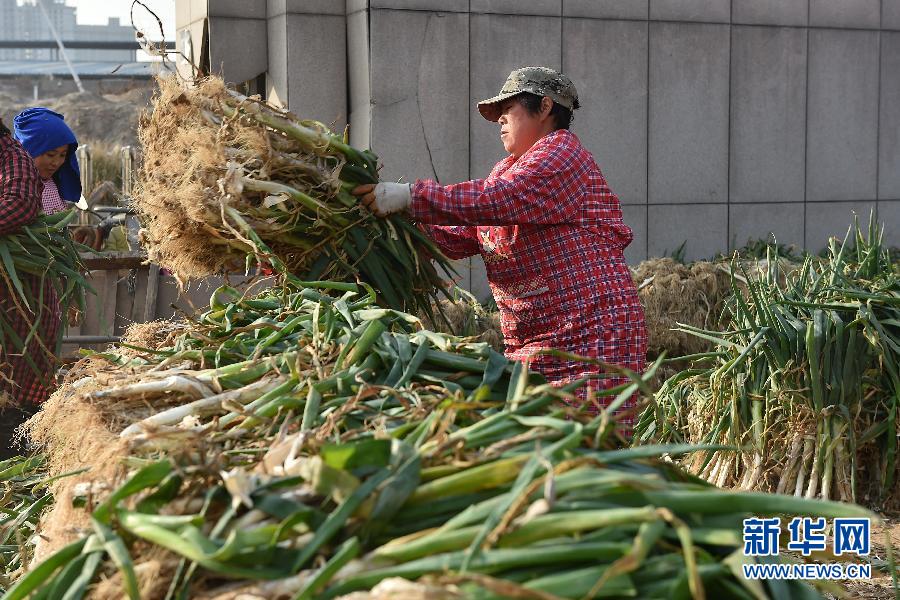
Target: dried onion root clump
{"x": 227, "y": 179}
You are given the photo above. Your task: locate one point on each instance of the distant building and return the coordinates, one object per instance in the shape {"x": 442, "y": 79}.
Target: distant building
{"x": 23, "y": 20}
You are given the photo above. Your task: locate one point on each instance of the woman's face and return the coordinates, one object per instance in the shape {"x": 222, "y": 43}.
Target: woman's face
{"x": 49, "y": 162}
{"x": 519, "y": 129}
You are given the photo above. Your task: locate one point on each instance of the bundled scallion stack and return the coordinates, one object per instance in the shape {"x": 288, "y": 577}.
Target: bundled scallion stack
{"x": 226, "y": 178}
{"x": 805, "y": 380}
{"x": 23, "y": 498}
{"x": 39, "y": 255}
{"x": 307, "y": 444}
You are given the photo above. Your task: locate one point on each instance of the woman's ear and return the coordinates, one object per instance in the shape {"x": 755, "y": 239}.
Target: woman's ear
{"x": 546, "y": 106}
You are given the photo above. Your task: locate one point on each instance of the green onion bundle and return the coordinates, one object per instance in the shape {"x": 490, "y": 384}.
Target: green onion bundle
{"x": 39, "y": 254}
{"x": 307, "y": 444}
{"x": 806, "y": 380}
{"x": 226, "y": 179}
{"x": 23, "y": 498}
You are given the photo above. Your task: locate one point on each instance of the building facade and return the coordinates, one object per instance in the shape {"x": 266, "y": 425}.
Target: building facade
{"x": 23, "y": 20}
{"x": 715, "y": 121}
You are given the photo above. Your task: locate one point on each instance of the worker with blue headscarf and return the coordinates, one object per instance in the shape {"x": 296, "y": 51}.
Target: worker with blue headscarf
{"x": 51, "y": 144}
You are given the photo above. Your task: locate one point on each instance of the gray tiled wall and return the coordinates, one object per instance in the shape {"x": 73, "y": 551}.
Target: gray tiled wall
{"x": 713, "y": 11}
{"x": 613, "y": 118}
{"x": 420, "y": 98}
{"x": 842, "y": 115}
{"x": 768, "y": 114}
{"x": 688, "y": 119}
{"x": 829, "y": 219}
{"x": 308, "y": 61}
{"x": 715, "y": 121}
{"x": 889, "y": 118}
{"x": 227, "y": 21}
{"x": 500, "y": 43}
{"x": 784, "y": 220}
{"x": 770, "y": 12}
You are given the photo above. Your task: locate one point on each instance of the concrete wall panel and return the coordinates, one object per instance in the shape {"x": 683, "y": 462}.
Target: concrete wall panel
{"x": 550, "y": 8}
{"x": 845, "y": 13}
{"x": 716, "y": 11}
{"x": 277, "y": 75}
{"x": 825, "y": 220}
{"x": 358, "y": 69}
{"x": 432, "y": 5}
{"x": 768, "y": 114}
{"x": 478, "y": 281}
{"x": 312, "y": 7}
{"x": 194, "y": 33}
{"x": 236, "y": 66}
{"x": 317, "y": 67}
{"x": 889, "y": 125}
{"x": 770, "y": 12}
{"x": 636, "y": 218}
{"x": 703, "y": 228}
{"x": 607, "y": 9}
{"x": 199, "y": 9}
{"x": 890, "y": 14}
{"x": 182, "y": 14}
{"x": 420, "y": 100}
{"x": 688, "y": 124}
{"x": 758, "y": 220}
{"x": 502, "y": 43}
{"x": 889, "y": 215}
{"x": 255, "y": 9}
{"x": 608, "y": 60}
{"x": 843, "y": 118}
{"x": 352, "y": 6}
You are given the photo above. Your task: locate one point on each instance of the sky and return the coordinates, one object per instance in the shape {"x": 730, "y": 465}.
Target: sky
{"x": 94, "y": 12}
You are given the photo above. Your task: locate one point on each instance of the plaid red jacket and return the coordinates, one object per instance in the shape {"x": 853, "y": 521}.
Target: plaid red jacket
{"x": 20, "y": 203}
{"x": 551, "y": 234}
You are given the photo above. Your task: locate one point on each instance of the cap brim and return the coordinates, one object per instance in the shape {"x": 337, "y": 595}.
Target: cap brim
{"x": 490, "y": 108}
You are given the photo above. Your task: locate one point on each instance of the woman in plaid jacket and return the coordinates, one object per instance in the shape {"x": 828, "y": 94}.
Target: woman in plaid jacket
{"x": 21, "y": 387}
{"x": 551, "y": 233}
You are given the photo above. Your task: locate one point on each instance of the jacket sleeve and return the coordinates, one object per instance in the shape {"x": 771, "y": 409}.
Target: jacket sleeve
{"x": 545, "y": 189}
{"x": 456, "y": 241}
{"x": 20, "y": 188}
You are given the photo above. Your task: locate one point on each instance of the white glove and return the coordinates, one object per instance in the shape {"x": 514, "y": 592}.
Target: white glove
{"x": 390, "y": 198}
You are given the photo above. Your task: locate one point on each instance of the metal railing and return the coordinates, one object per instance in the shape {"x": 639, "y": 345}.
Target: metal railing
{"x": 127, "y": 157}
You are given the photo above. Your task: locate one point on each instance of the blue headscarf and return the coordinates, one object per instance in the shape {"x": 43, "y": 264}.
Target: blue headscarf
{"x": 40, "y": 130}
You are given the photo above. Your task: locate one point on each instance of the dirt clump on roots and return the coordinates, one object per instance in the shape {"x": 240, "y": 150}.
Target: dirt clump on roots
{"x": 229, "y": 182}
{"x": 152, "y": 335}
{"x": 74, "y": 434}
{"x": 671, "y": 293}
{"x": 178, "y": 228}
{"x": 77, "y": 429}
{"x": 466, "y": 317}
{"x": 153, "y": 569}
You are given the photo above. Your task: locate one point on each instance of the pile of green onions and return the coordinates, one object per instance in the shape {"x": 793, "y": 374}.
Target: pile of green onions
{"x": 307, "y": 442}
{"x": 227, "y": 179}
{"x": 24, "y": 496}
{"x": 39, "y": 254}
{"x": 805, "y": 380}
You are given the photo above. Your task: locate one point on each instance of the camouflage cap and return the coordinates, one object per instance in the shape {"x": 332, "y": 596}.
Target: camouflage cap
{"x": 537, "y": 80}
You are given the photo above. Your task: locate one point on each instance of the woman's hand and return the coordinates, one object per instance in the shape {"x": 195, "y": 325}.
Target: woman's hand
{"x": 384, "y": 198}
